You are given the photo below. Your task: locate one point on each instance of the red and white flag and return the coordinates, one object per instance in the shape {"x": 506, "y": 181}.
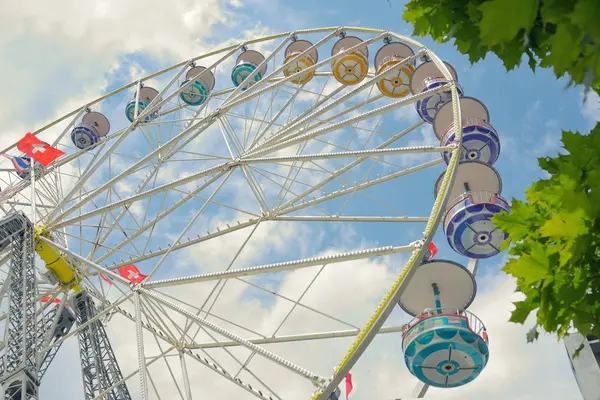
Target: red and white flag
{"x": 106, "y": 279}
{"x": 40, "y": 151}
{"x": 349, "y": 386}
{"x": 432, "y": 249}
{"x": 131, "y": 273}
{"x": 48, "y": 298}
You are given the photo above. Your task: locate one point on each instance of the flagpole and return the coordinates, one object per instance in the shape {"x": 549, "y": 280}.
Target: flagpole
{"x": 32, "y": 172}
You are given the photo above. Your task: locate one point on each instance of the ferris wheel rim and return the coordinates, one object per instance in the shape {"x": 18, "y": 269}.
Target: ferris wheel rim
{"x": 402, "y": 38}
{"x": 433, "y": 219}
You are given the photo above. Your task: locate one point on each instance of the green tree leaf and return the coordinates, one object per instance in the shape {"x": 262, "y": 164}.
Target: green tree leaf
{"x": 563, "y": 225}
{"x": 555, "y": 10}
{"x": 503, "y": 19}
{"x": 565, "y": 48}
{"x": 532, "y": 335}
{"x": 578, "y": 350}
{"x": 530, "y": 268}
{"x": 521, "y": 311}
{"x": 586, "y": 15}
{"x": 559, "y": 34}
{"x": 554, "y": 235}
{"x": 518, "y": 222}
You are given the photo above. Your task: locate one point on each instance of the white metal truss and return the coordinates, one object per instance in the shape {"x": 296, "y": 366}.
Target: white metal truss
{"x": 198, "y": 199}
{"x": 20, "y": 369}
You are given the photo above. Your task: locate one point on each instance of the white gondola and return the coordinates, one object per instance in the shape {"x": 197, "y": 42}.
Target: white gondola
{"x": 299, "y": 64}
{"x": 480, "y": 140}
{"x": 352, "y": 67}
{"x": 396, "y": 83}
{"x": 90, "y": 130}
{"x": 475, "y": 198}
{"x": 444, "y": 345}
{"x": 245, "y": 66}
{"x": 427, "y": 76}
{"x": 197, "y": 92}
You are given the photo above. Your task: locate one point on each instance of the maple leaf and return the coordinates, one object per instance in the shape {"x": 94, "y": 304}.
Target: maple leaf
{"x": 553, "y": 236}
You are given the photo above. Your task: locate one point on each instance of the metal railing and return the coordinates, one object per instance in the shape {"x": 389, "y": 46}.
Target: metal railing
{"x": 429, "y": 80}
{"x": 472, "y": 121}
{"x": 478, "y": 197}
{"x": 356, "y": 52}
{"x": 387, "y": 59}
{"x": 474, "y": 324}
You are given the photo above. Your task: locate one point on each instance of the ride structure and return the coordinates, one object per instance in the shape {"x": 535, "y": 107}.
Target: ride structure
{"x": 445, "y": 345}
{"x": 302, "y": 135}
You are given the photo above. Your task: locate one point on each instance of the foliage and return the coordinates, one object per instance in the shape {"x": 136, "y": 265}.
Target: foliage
{"x": 555, "y": 237}
{"x": 562, "y": 34}
{"x": 555, "y": 233}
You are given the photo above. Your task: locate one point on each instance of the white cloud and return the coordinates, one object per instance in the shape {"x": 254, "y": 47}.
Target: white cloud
{"x": 79, "y": 44}
{"x": 517, "y": 369}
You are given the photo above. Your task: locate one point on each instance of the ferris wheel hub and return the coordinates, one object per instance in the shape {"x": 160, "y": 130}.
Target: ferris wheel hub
{"x": 54, "y": 261}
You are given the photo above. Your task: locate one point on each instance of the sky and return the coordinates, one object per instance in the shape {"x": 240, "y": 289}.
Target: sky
{"x": 58, "y": 55}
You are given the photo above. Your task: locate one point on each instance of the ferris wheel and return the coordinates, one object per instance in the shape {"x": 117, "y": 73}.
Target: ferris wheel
{"x": 146, "y": 230}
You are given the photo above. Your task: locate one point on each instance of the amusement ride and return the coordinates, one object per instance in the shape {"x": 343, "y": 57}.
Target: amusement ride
{"x": 284, "y": 130}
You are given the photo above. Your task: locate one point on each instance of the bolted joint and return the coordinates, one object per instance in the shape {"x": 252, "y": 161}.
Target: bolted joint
{"x": 135, "y": 287}
{"x": 417, "y": 244}
{"x": 425, "y": 58}
{"x": 41, "y": 231}
{"x": 216, "y": 113}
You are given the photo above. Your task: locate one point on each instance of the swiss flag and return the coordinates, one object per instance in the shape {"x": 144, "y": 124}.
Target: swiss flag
{"x": 38, "y": 150}
{"x": 349, "y": 386}
{"x": 131, "y": 273}
{"x": 104, "y": 278}
{"x": 433, "y": 250}
{"x": 47, "y": 299}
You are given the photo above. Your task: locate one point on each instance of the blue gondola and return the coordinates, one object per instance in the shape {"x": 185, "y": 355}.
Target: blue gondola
{"x": 147, "y": 94}
{"x": 428, "y": 76}
{"x": 429, "y": 106}
{"x": 130, "y": 110}
{"x": 445, "y": 348}
{"x": 468, "y": 226}
{"x": 196, "y": 93}
{"x": 245, "y": 66}
{"x": 90, "y": 130}
{"x": 480, "y": 142}
{"x": 84, "y": 136}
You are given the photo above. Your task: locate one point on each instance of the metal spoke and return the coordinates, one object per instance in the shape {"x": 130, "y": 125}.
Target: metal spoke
{"x": 282, "y": 158}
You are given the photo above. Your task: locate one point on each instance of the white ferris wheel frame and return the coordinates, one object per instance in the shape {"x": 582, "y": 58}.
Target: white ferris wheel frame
{"x": 55, "y": 218}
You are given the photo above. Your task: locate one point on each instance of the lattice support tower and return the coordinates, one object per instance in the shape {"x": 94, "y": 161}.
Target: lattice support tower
{"x": 98, "y": 362}
{"x": 59, "y": 325}
{"x": 19, "y": 373}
